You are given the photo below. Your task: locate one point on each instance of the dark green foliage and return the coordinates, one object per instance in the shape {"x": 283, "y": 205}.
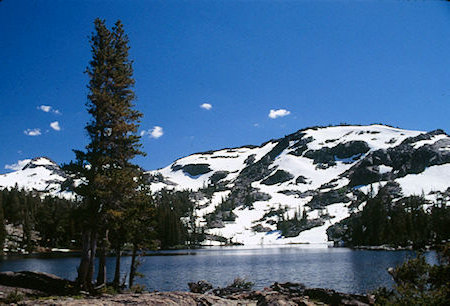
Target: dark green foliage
{"x": 222, "y": 212}
{"x": 241, "y": 283}
{"x": 2, "y": 225}
{"x": 237, "y": 286}
{"x": 323, "y": 199}
{"x": 140, "y": 221}
{"x": 13, "y": 297}
{"x": 106, "y": 167}
{"x": 274, "y": 212}
{"x": 440, "y": 220}
{"x": 55, "y": 219}
{"x": 419, "y": 283}
{"x": 402, "y": 222}
{"x": 56, "y": 222}
{"x": 171, "y": 230}
{"x": 293, "y": 227}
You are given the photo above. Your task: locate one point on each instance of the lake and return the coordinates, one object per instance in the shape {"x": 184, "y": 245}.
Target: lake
{"x": 342, "y": 269}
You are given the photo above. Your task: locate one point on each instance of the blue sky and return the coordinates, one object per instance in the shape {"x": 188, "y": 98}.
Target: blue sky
{"x": 323, "y": 62}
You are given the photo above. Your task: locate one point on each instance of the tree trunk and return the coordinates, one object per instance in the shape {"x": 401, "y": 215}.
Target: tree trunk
{"x": 85, "y": 259}
{"x": 116, "y": 281}
{"x": 133, "y": 266}
{"x": 93, "y": 247}
{"x": 101, "y": 276}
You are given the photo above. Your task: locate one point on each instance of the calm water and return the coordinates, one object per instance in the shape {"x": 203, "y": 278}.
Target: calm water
{"x": 357, "y": 271}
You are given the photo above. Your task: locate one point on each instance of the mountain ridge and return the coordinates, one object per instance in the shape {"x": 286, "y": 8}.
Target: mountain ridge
{"x": 244, "y": 194}
{"x": 310, "y": 168}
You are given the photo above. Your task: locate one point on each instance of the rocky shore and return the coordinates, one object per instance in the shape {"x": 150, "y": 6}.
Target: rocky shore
{"x": 35, "y": 288}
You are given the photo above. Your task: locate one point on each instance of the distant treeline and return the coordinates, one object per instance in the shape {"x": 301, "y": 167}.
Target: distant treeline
{"x": 57, "y": 221}
{"x": 408, "y": 221}
{"x": 54, "y": 219}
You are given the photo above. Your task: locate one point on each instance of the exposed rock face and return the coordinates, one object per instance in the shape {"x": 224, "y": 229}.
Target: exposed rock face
{"x": 293, "y": 228}
{"x": 47, "y": 164}
{"x": 217, "y": 176}
{"x": 350, "y": 150}
{"x": 195, "y": 169}
{"x": 261, "y": 229}
{"x": 404, "y": 159}
{"x": 280, "y": 176}
{"x": 14, "y": 241}
{"x": 323, "y": 199}
{"x": 41, "y": 281}
{"x": 301, "y": 145}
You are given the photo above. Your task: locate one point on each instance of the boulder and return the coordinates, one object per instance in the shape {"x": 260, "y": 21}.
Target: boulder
{"x": 201, "y": 286}
{"x": 41, "y": 281}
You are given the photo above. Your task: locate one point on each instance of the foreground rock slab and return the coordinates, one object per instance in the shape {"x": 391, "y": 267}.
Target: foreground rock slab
{"x": 253, "y": 298}
{"x": 35, "y": 288}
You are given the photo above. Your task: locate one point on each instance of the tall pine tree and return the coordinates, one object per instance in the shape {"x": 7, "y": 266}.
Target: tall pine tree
{"x": 105, "y": 165}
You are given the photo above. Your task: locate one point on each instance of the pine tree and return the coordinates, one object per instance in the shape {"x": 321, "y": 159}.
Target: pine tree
{"x": 106, "y": 165}
{"x": 141, "y": 222}
{"x": 2, "y": 225}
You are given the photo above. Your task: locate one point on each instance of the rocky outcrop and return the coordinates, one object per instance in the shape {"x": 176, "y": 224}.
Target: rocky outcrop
{"x": 280, "y": 176}
{"x": 200, "y": 286}
{"x": 350, "y": 151}
{"x": 238, "y": 293}
{"x": 194, "y": 169}
{"x": 41, "y": 281}
{"x": 156, "y": 298}
{"x": 217, "y": 176}
{"x": 327, "y": 296}
{"x": 404, "y": 159}
{"x": 323, "y": 199}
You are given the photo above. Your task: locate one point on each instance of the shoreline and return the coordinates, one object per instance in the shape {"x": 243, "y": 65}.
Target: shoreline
{"x": 192, "y": 251}
{"x": 35, "y": 288}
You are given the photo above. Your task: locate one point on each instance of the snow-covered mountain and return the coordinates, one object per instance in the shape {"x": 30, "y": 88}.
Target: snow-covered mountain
{"x": 241, "y": 193}
{"x": 40, "y": 175}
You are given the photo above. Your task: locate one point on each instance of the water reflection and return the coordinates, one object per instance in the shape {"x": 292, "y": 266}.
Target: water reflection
{"x": 342, "y": 269}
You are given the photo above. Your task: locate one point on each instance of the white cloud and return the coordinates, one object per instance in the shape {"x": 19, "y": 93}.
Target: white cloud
{"x": 55, "y": 125}
{"x": 206, "y": 106}
{"x": 32, "y": 132}
{"x": 18, "y": 166}
{"x": 275, "y": 113}
{"x": 45, "y": 108}
{"x": 155, "y": 132}
{"x": 48, "y": 109}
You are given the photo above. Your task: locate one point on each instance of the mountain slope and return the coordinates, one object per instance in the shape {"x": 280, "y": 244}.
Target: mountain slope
{"x": 40, "y": 175}
{"x": 244, "y": 193}
{"x": 287, "y": 190}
